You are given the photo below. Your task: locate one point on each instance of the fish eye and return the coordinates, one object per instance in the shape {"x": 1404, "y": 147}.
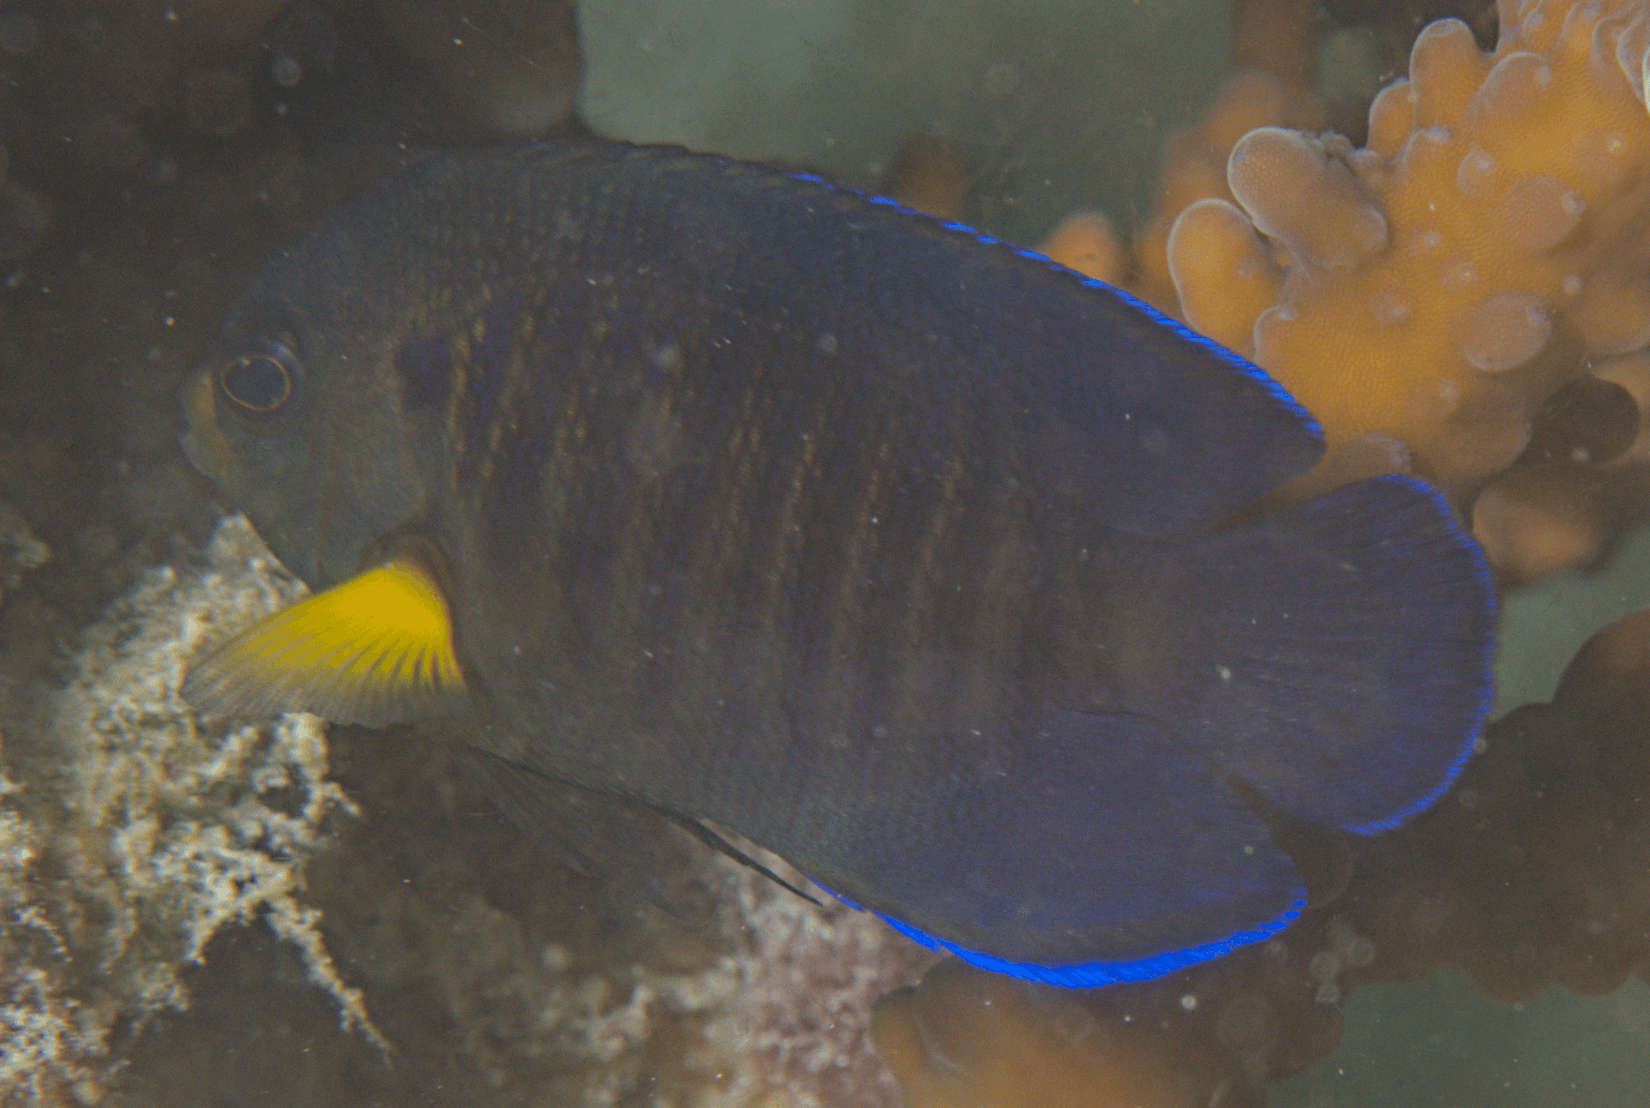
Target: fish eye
{"x": 262, "y": 380}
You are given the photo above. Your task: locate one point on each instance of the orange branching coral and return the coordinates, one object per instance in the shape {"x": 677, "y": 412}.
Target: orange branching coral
{"x": 1194, "y": 167}
{"x": 1530, "y": 873}
{"x": 1436, "y": 287}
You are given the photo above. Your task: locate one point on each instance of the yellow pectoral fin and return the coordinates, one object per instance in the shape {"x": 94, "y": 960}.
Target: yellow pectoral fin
{"x": 374, "y": 650}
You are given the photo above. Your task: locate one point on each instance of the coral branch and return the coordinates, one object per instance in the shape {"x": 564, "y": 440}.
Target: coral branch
{"x": 1441, "y": 284}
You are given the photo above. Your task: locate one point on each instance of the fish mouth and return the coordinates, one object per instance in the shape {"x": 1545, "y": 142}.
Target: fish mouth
{"x": 203, "y": 444}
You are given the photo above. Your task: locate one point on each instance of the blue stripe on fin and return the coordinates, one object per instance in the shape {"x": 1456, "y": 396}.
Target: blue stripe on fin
{"x": 1093, "y": 849}
{"x": 1230, "y": 357}
{"x": 1088, "y": 975}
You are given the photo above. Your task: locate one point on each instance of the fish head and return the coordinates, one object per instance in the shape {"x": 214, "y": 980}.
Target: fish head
{"x": 295, "y": 414}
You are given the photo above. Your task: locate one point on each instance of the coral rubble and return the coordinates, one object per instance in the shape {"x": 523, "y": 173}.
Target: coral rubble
{"x": 143, "y": 833}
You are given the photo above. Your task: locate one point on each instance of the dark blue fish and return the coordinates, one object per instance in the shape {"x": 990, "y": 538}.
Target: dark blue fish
{"x": 898, "y": 550}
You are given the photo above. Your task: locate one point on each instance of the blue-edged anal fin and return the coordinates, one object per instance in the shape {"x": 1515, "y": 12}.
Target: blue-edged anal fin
{"x": 1098, "y": 848}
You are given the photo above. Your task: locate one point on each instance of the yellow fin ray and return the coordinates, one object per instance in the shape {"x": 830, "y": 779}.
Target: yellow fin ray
{"x": 374, "y": 650}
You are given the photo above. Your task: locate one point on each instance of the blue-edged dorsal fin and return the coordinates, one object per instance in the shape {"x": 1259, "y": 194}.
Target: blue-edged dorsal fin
{"x": 1156, "y": 429}
{"x": 375, "y": 649}
{"x": 1179, "y": 431}
{"x": 1169, "y": 432}
{"x": 1160, "y": 430}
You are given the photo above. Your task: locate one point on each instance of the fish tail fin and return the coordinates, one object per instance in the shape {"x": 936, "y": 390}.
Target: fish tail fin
{"x": 1339, "y": 652}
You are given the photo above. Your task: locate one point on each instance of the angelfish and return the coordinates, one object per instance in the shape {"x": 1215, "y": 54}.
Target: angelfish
{"x": 900, "y": 551}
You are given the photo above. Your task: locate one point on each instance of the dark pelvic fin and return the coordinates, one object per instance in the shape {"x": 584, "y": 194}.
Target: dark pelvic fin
{"x": 621, "y": 842}
{"x": 1103, "y": 848}
{"x": 1339, "y": 652}
{"x": 720, "y": 843}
